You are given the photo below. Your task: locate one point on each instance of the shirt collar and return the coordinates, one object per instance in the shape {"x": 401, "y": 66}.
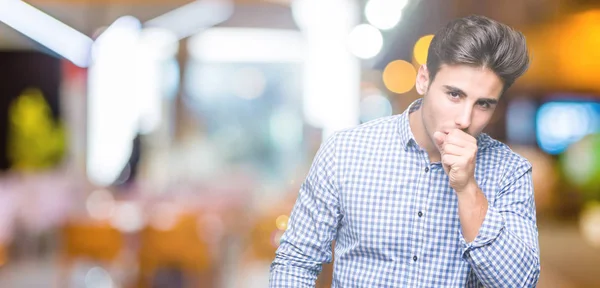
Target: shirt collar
{"x": 407, "y": 138}
{"x": 406, "y": 135}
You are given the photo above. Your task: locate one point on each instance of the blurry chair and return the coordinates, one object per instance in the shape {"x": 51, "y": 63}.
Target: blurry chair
{"x": 265, "y": 235}
{"x": 3, "y": 254}
{"x": 176, "y": 250}
{"x": 264, "y": 238}
{"x": 90, "y": 240}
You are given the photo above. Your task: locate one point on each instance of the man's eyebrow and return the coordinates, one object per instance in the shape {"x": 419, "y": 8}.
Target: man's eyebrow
{"x": 455, "y": 90}
{"x": 459, "y": 91}
{"x": 490, "y": 101}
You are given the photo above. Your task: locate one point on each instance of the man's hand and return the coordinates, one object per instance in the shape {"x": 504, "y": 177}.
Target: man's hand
{"x": 458, "y": 150}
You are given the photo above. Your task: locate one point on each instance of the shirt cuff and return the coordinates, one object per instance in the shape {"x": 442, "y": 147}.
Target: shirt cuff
{"x": 490, "y": 229}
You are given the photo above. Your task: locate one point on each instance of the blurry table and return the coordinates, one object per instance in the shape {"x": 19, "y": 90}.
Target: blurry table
{"x": 567, "y": 260}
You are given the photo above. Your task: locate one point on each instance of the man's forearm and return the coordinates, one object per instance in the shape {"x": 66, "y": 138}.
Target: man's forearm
{"x": 472, "y": 208}
{"x": 503, "y": 259}
{"x": 498, "y": 255}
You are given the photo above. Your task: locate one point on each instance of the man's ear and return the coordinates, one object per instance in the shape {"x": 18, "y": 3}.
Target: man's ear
{"x": 422, "y": 82}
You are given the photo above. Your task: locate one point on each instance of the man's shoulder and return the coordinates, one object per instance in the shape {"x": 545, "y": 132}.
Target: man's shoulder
{"x": 500, "y": 154}
{"x": 385, "y": 126}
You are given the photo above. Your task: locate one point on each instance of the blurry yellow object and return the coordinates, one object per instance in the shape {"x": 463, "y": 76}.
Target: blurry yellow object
{"x": 399, "y": 76}
{"x": 579, "y": 49}
{"x": 266, "y": 234}
{"x": 3, "y": 257}
{"x": 262, "y": 238}
{"x": 281, "y": 222}
{"x": 571, "y": 46}
{"x": 268, "y": 229}
{"x": 34, "y": 140}
{"x": 93, "y": 240}
{"x": 180, "y": 246}
{"x": 420, "y": 51}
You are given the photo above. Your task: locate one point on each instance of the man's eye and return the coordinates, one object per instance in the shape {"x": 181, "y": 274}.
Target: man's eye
{"x": 484, "y": 105}
{"x": 453, "y": 94}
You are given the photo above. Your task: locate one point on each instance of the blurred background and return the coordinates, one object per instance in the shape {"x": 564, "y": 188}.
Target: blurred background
{"x": 155, "y": 143}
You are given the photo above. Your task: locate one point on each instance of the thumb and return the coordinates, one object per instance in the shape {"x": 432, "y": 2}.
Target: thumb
{"x": 439, "y": 138}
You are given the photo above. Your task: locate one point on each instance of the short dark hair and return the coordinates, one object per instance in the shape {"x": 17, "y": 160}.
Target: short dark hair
{"x": 480, "y": 42}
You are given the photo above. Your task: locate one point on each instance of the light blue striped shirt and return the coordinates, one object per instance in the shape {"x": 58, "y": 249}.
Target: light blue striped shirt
{"x": 394, "y": 217}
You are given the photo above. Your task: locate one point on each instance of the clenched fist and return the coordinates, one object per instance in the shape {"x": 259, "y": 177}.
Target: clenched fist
{"x": 459, "y": 151}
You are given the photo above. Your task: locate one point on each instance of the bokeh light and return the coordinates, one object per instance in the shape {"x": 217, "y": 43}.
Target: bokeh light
{"x": 589, "y": 224}
{"x": 421, "y": 49}
{"x": 248, "y": 83}
{"x": 164, "y": 216}
{"x": 100, "y": 204}
{"x": 318, "y": 14}
{"x": 520, "y": 121}
{"x": 399, "y": 76}
{"x": 281, "y": 222}
{"x": 98, "y": 278}
{"x": 581, "y": 164}
{"x": 561, "y": 123}
{"x": 285, "y": 127}
{"x": 128, "y": 217}
{"x": 374, "y": 106}
{"x": 365, "y": 41}
{"x": 384, "y": 14}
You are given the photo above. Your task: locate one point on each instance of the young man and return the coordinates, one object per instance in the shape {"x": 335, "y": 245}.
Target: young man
{"x": 424, "y": 199}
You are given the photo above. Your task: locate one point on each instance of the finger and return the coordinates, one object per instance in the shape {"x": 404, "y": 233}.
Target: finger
{"x": 461, "y": 139}
{"x": 450, "y": 160}
{"x": 459, "y": 132}
{"x": 439, "y": 139}
{"x": 453, "y": 149}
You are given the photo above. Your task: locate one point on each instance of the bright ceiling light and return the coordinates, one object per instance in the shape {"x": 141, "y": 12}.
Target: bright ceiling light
{"x": 46, "y": 30}
{"x": 191, "y": 18}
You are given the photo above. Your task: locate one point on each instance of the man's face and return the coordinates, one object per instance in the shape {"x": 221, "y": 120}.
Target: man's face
{"x": 460, "y": 97}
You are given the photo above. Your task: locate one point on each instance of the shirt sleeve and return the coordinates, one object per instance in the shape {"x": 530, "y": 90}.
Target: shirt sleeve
{"x": 312, "y": 227}
{"x": 505, "y": 253}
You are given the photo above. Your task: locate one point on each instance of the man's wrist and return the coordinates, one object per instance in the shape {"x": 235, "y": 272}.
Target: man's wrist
{"x": 470, "y": 188}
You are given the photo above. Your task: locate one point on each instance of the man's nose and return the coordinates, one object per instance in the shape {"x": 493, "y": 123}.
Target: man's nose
{"x": 463, "y": 119}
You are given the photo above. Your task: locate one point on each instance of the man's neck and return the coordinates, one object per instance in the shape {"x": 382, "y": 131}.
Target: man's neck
{"x": 417, "y": 128}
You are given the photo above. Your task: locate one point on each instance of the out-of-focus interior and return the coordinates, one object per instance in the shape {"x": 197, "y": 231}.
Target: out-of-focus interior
{"x": 162, "y": 143}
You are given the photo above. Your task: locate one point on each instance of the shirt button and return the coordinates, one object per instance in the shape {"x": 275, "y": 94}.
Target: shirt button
{"x": 414, "y": 258}
{"x": 426, "y": 169}
{"x": 420, "y": 214}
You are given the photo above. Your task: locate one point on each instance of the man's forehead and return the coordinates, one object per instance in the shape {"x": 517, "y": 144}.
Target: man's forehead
{"x": 471, "y": 81}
